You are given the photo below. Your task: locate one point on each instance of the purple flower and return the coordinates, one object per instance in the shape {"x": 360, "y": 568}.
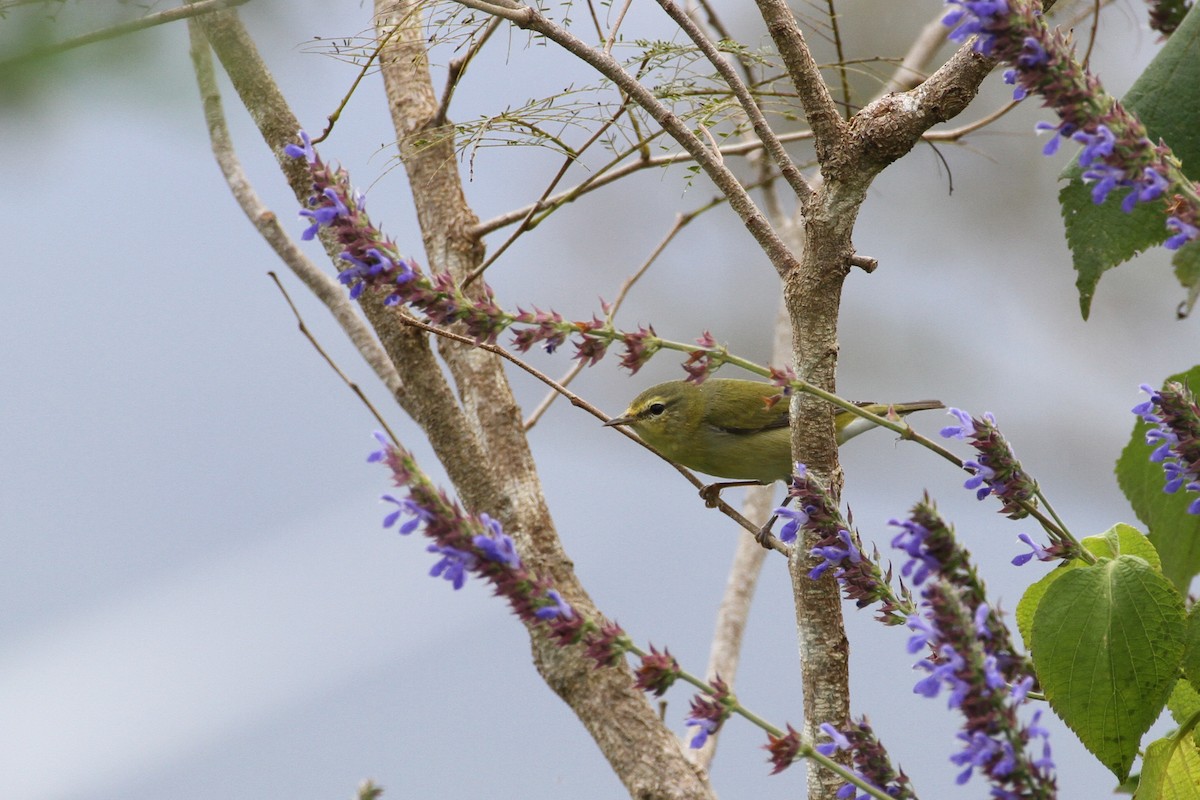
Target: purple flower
{"x": 453, "y": 565}
{"x": 912, "y": 537}
{"x": 983, "y": 615}
{"x": 1146, "y": 410}
{"x": 305, "y": 149}
{"x": 1150, "y": 187}
{"x": 944, "y": 671}
{"x": 796, "y": 518}
{"x": 1105, "y": 178}
{"x": 704, "y": 729}
{"x": 996, "y": 469}
{"x": 406, "y": 506}
{"x": 1097, "y": 146}
{"x": 1184, "y": 233}
{"x": 496, "y": 545}
{"x": 1041, "y": 553}
{"x": 925, "y": 633}
{"x": 981, "y": 479}
{"x": 1033, "y": 54}
{"x": 709, "y": 712}
{"x": 976, "y": 18}
{"x": 839, "y": 740}
{"x": 385, "y": 448}
{"x": 1010, "y": 77}
{"x": 834, "y": 555}
{"x": 555, "y": 607}
{"x": 1051, "y": 146}
{"x": 966, "y": 425}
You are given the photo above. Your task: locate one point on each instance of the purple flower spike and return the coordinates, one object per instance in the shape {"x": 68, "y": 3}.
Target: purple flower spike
{"x": 1175, "y": 438}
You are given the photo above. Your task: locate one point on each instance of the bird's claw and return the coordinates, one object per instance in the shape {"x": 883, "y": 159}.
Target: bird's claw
{"x": 763, "y": 535}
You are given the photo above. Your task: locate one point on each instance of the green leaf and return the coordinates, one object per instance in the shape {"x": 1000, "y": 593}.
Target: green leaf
{"x": 1184, "y": 702}
{"x": 1106, "y": 643}
{"x": 1171, "y": 770}
{"x": 1174, "y": 533}
{"x": 1191, "y": 648}
{"x": 1102, "y": 237}
{"x": 1118, "y": 539}
{"x": 1187, "y": 271}
{"x": 1167, "y": 99}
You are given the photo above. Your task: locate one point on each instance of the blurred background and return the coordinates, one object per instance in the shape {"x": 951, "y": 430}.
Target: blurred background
{"x": 198, "y": 598}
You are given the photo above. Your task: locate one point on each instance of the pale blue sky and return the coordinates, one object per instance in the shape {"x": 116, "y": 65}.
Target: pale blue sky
{"x": 198, "y": 597}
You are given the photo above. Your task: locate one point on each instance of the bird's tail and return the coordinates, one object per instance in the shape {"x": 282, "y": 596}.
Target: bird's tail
{"x": 919, "y": 405}
{"x": 859, "y": 425}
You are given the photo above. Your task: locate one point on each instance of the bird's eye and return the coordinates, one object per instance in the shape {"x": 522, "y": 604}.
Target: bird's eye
{"x": 657, "y": 409}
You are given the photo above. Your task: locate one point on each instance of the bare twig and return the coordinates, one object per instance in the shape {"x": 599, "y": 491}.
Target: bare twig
{"x": 595, "y": 20}
{"x": 354, "y": 387}
{"x": 603, "y": 178}
{"x": 841, "y": 56}
{"x": 526, "y": 223}
{"x": 819, "y": 108}
{"x": 911, "y": 71}
{"x": 725, "y": 650}
{"x": 529, "y": 18}
{"x": 611, "y": 39}
{"x": 326, "y": 289}
{"x": 148, "y": 21}
{"x": 459, "y": 66}
{"x": 714, "y": 22}
{"x": 745, "y": 99}
{"x": 680, "y": 221}
{"x": 1094, "y": 28}
{"x": 954, "y": 134}
{"x": 337, "y": 112}
{"x": 426, "y": 395}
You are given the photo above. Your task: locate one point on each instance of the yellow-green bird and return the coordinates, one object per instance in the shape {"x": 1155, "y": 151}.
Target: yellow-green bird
{"x": 728, "y": 427}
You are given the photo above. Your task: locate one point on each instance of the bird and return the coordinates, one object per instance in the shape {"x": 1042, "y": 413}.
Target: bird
{"x": 732, "y": 428}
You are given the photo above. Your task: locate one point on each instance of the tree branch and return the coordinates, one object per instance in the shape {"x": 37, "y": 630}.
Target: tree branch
{"x": 192, "y": 9}
{"x": 326, "y": 289}
{"x": 645, "y": 755}
{"x": 819, "y": 108}
{"x": 425, "y": 395}
{"x": 746, "y": 100}
{"x": 528, "y": 18}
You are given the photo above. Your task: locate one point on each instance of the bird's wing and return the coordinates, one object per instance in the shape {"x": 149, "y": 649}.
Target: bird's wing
{"x": 739, "y": 417}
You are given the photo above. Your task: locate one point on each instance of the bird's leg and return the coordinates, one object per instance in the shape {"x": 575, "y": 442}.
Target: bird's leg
{"x": 763, "y": 537}
{"x": 712, "y": 493}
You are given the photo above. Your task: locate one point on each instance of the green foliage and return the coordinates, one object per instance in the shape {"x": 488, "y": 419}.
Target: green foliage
{"x": 1184, "y": 701}
{"x": 1107, "y": 640}
{"x": 1167, "y": 99}
{"x": 1187, "y": 272}
{"x": 1174, "y": 533}
{"x": 1117, "y": 540}
{"x": 1191, "y": 649}
{"x": 1102, "y": 237}
{"x": 1171, "y": 769}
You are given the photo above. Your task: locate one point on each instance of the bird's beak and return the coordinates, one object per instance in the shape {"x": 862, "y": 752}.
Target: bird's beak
{"x": 624, "y": 419}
